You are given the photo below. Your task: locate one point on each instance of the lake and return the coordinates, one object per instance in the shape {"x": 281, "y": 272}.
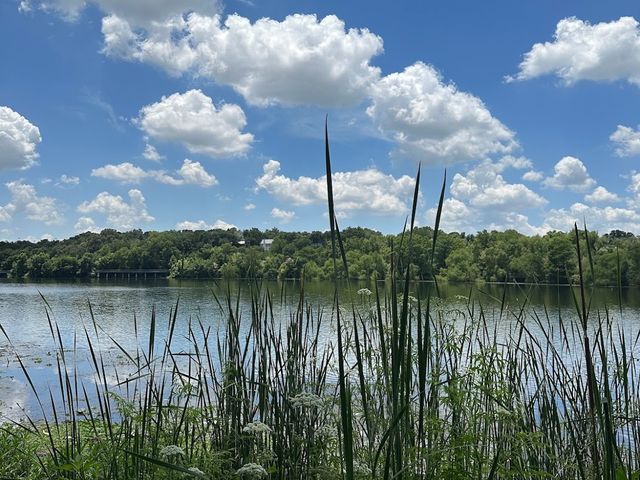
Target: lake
{"x": 122, "y": 311}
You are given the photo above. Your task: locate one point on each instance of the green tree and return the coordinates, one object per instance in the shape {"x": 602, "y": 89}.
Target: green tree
{"x": 38, "y": 265}
{"x": 606, "y": 268}
{"x": 19, "y": 267}
{"x": 86, "y": 265}
{"x": 560, "y": 264}
{"x": 461, "y": 266}
{"x": 229, "y": 271}
{"x": 64, "y": 266}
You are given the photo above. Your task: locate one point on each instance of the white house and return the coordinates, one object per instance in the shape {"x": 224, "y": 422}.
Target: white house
{"x": 266, "y": 244}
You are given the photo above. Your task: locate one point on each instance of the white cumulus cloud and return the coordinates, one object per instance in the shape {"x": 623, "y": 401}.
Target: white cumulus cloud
{"x": 368, "y": 190}
{"x": 202, "y": 225}
{"x": 124, "y": 172}
{"x": 119, "y": 213}
{"x": 191, "y": 173}
{"x": 193, "y": 120}
{"x": 86, "y": 224}
{"x": 456, "y": 216}
{"x": 65, "y": 179}
{"x": 284, "y": 216}
{"x": 5, "y": 214}
{"x": 606, "y": 51}
{"x": 433, "y": 121}
{"x": 601, "y": 196}
{"x": 570, "y": 173}
{"x": 26, "y": 201}
{"x": 483, "y": 199}
{"x": 601, "y": 216}
{"x": 151, "y": 154}
{"x": 626, "y": 140}
{"x": 533, "y": 176}
{"x": 602, "y": 219}
{"x": 19, "y": 140}
{"x": 634, "y": 189}
{"x": 484, "y": 186}
{"x": 24, "y": 6}
{"x": 299, "y": 60}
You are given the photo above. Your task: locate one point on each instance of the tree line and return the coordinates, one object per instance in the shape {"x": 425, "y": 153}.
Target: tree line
{"x": 488, "y": 255}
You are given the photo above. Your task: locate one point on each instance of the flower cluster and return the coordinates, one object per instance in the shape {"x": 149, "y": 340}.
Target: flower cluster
{"x": 361, "y": 468}
{"x": 251, "y": 470}
{"x": 171, "y": 450}
{"x": 256, "y": 427}
{"x": 196, "y": 471}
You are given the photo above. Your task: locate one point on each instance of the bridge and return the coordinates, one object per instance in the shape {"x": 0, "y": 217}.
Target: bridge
{"x": 132, "y": 273}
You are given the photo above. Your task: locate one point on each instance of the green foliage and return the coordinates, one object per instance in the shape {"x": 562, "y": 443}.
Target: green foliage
{"x": 20, "y": 265}
{"x": 489, "y": 256}
{"x": 460, "y": 265}
{"x": 39, "y": 265}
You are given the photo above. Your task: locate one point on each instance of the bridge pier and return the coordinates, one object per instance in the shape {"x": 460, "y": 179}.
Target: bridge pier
{"x": 132, "y": 273}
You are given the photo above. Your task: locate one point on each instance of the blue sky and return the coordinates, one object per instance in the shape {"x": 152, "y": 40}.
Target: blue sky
{"x": 195, "y": 113}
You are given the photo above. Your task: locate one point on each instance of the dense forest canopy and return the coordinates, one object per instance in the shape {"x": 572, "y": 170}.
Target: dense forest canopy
{"x": 489, "y": 256}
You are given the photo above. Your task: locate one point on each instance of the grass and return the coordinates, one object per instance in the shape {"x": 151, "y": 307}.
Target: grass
{"x": 402, "y": 388}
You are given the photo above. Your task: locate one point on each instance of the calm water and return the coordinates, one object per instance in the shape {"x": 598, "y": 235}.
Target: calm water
{"x": 120, "y": 308}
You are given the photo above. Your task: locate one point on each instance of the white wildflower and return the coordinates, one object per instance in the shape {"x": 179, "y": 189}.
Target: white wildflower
{"x": 171, "y": 450}
{"x": 256, "y": 427}
{"x": 306, "y": 400}
{"x": 196, "y": 471}
{"x": 251, "y": 470}
{"x": 364, "y": 291}
{"x": 361, "y": 468}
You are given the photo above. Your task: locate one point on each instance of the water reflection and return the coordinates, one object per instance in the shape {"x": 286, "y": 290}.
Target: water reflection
{"x": 122, "y": 311}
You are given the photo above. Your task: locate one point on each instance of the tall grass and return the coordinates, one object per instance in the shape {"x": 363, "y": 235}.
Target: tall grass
{"x": 382, "y": 384}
